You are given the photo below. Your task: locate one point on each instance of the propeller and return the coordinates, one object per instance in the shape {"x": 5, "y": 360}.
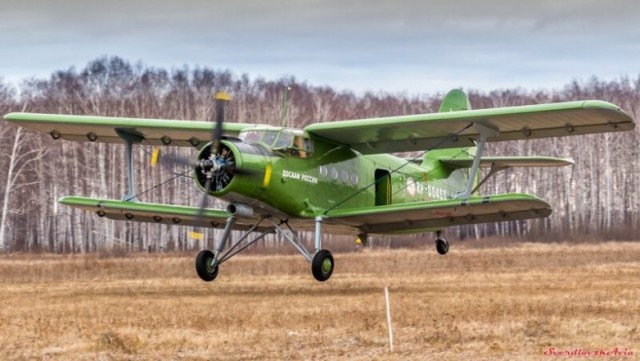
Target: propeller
{"x": 215, "y": 164}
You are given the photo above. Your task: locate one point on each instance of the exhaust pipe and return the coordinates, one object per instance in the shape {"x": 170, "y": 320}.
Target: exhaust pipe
{"x": 240, "y": 210}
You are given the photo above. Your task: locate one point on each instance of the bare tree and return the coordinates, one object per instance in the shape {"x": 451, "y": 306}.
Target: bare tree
{"x": 599, "y": 196}
{"x": 25, "y": 154}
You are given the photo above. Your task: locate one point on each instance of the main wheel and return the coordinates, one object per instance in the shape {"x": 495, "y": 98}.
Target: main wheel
{"x": 322, "y": 265}
{"x": 442, "y": 246}
{"x": 203, "y": 266}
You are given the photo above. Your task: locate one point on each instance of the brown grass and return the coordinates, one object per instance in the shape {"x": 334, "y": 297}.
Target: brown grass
{"x": 491, "y": 303}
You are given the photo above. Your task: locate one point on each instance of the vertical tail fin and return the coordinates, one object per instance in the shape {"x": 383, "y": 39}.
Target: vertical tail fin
{"x": 454, "y": 101}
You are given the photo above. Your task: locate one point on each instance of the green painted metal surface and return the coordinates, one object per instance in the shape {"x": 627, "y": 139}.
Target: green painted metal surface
{"x": 454, "y": 101}
{"x": 455, "y": 129}
{"x": 103, "y": 129}
{"x": 153, "y": 212}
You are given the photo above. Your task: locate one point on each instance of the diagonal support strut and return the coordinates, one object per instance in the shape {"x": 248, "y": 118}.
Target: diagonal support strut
{"x": 486, "y": 132}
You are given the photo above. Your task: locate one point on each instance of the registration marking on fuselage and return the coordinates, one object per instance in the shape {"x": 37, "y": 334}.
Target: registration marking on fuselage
{"x": 287, "y": 174}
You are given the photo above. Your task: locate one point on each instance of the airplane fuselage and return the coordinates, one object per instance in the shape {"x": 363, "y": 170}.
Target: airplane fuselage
{"x": 308, "y": 184}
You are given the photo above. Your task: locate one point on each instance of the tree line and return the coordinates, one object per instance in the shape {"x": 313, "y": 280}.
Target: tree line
{"x": 597, "y": 198}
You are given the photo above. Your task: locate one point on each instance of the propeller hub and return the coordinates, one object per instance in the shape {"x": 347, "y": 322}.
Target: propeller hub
{"x": 218, "y": 167}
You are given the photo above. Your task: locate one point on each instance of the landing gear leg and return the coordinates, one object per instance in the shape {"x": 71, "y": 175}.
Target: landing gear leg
{"x": 442, "y": 245}
{"x": 207, "y": 262}
{"x": 322, "y": 263}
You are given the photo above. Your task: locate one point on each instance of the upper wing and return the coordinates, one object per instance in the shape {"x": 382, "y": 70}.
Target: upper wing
{"x": 421, "y": 216}
{"x": 455, "y": 129}
{"x": 105, "y": 129}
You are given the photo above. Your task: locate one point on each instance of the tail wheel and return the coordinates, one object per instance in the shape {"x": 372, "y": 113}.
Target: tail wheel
{"x": 205, "y": 270}
{"x": 442, "y": 246}
{"x": 322, "y": 265}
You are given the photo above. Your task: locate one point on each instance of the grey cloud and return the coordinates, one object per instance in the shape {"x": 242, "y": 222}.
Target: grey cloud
{"x": 313, "y": 39}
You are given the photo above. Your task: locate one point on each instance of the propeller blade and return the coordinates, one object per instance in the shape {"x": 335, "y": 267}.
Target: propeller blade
{"x": 155, "y": 155}
{"x": 216, "y": 135}
{"x": 214, "y": 150}
{"x": 196, "y": 236}
{"x": 170, "y": 159}
{"x": 203, "y": 201}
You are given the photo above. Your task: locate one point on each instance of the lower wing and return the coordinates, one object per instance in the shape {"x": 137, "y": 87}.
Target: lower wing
{"x": 155, "y": 213}
{"x": 423, "y": 216}
{"x": 391, "y": 219}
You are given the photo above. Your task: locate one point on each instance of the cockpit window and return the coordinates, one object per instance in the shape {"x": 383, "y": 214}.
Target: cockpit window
{"x": 286, "y": 140}
{"x": 251, "y": 136}
{"x": 269, "y": 137}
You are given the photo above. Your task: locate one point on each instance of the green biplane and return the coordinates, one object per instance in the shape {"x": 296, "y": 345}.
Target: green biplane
{"x": 337, "y": 177}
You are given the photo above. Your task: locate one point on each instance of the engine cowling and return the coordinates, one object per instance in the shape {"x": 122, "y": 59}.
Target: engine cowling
{"x": 237, "y": 170}
{"x": 220, "y": 167}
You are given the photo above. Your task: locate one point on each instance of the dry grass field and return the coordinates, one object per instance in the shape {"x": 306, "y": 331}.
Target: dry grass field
{"x": 495, "y": 303}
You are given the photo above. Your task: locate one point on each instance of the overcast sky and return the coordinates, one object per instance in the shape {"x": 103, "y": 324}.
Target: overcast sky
{"x": 414, "y": 46}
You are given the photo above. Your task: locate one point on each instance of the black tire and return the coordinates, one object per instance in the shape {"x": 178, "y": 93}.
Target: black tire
{"x": 322, "y": 265}
{"x": 203, "y": 266}
{"x": 442, "y": 246}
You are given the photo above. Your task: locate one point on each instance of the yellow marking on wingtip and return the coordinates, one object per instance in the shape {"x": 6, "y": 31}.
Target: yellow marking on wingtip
{"x": 267, "y": 176}
{"x": 155, "y": 156}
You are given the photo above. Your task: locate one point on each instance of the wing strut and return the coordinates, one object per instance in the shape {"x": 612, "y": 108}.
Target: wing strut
{"x": 495, "y": 168}
{"x": 486, "y": 132}
{"x": 130, "y": 137}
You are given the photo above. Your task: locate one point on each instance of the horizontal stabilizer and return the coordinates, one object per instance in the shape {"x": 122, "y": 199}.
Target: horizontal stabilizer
{"x": 154, "y": 213}
{"x": 424, "y": 216}
{"x": 508, "y": 162}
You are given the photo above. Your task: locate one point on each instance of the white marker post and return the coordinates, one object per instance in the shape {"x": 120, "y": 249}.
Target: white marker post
{"x": 386, "y": 298}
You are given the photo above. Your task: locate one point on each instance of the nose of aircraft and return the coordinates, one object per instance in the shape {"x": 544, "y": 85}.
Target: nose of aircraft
{"x": 238, "y": 167}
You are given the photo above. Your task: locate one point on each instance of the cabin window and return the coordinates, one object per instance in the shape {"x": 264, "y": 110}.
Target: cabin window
{"x": 354, "y": 179}
{"x": 334, "y": 173}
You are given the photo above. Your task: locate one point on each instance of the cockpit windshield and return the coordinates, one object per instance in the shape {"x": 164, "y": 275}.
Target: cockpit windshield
{"x": 278, "y": 139}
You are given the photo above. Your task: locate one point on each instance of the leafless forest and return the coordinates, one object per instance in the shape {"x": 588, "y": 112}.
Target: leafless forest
{"x": 598, "y": 198}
